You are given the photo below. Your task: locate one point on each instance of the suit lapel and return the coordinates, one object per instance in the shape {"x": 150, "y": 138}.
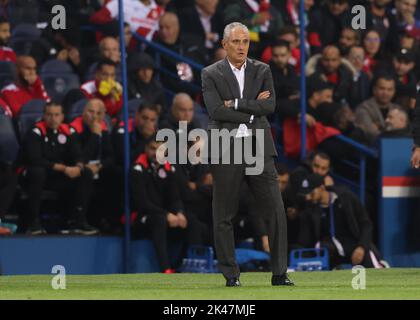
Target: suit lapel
{"x": 230, "y": 79}
{"x": 249, "y": 77}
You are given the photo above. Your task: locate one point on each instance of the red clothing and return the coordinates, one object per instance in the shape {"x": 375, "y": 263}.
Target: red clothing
{"x": 7, "y": 54}
{"x": 90, "y": 90}
{"x": 16, "y": 95}
{"x": 333, "y": 78}
{"x": 314, "y": 136}
{"x": 369, "y": 64}
{"x": 78, "y": 126}
{"x": 141, "y": 18}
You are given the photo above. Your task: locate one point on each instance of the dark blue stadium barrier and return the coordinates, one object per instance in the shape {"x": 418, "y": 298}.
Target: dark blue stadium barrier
{"x": 79, "y": 255}
{"x": 302, "y": 80}
{"x": 399, "y": 207}
{"x": 127, "y": 231}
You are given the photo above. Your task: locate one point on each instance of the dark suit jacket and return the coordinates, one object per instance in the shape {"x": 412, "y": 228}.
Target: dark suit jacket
{"x": 189, "y": 19}
{"x": 220, "y": 84}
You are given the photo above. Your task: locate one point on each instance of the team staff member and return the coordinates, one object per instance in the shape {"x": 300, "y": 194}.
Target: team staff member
{"x": 140, "y": 129}
{"x": 54, "y": 160}
{"x": 160, "y": 209}
{"x": 91, "y": 132}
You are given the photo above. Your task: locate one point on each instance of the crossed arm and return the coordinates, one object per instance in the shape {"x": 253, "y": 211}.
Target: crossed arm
{"x": 242, "y": 111}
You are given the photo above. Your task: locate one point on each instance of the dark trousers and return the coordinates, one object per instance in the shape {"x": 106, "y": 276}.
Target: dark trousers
{"x": 8, "y": 182}
{"x": 227, "y": 179}
{"x": 157, "y": 229}
{"x": 106, "y": 207}
{"x": 76, "y": 191}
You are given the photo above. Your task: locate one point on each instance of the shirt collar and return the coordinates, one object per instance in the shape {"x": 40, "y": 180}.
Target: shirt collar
{"x": 234, "y": 69}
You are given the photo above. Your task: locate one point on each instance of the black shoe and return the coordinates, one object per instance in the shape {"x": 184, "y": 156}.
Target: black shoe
{"x": 233, "y": 282}
{"x": 84, "y": 229}
{"x": 282, "y": 280}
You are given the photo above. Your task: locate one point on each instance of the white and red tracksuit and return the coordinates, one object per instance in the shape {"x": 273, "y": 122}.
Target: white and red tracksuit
{"x": 142, "y": 19}
{"x": 16, "y": 95}
{"x": 90, "y": 90}
{"x": 7, "y": 54}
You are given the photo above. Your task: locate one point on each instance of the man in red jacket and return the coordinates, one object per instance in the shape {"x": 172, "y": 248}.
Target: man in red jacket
{"x": 6, "y": 53}
{"x": 27, "y": 87}
{"x": 105, "y": 88}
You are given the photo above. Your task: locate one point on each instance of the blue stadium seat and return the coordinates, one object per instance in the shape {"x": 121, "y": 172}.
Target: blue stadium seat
{"x": 57, "y": 85}
{"x": 9, "y": 145}
{"x": 30, "y": 113}
{"x": 56, "y": 66}
{"x": 133, "y": 106}
{"x": 76, "y": 109}
{"x": 23, "y": 35}
{"x": 26, "y": 30}
{"x": 7, "y": 73}
{"x": 58, "y": 78}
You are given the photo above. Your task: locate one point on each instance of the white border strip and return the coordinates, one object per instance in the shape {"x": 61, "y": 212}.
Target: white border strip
{"x": 400, "y": 192}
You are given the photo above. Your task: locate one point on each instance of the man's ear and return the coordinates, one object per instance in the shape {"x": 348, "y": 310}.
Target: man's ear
{"x": 224, "y": 43}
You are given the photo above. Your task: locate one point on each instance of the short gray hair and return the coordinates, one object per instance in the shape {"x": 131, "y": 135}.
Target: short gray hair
{"x": 231, "y": 26}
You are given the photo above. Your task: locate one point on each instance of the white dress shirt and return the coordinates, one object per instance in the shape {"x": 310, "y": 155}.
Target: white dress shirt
{"x": 240, "y": 77}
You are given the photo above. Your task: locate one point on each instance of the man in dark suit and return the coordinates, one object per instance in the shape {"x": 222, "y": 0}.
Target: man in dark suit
{"x": 239, "y": 94}
{"x": 205, "y": 22}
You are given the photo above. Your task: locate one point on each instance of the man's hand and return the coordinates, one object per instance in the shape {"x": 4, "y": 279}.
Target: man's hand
{"x": 74, "y": 56}
{"x": 229, "y": 103}
{"x": 72, "y": 172}
{"x": 261, "y": 18}
{"x": 207, "y": 180}
{"x": 263, "y": 95}
{"x": 63, "y": 55}
{"x": 310, "y": 121}
{"x": 94, "y": 167}
{"x": 328, "y": 181}
{"x": 265, "y": 244}
{"x": 292, "y": 213}
{"x": 415, "y": 158}
{"x": 192, "y": 185}
{"x": 182, "y": 220}
{"x": 358, "y": 255}
{"x": 172, "y": 220}
{"x": 96, "y": 127}
{"x": 211, "y": 36}
{"x": 59, "y": 167}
